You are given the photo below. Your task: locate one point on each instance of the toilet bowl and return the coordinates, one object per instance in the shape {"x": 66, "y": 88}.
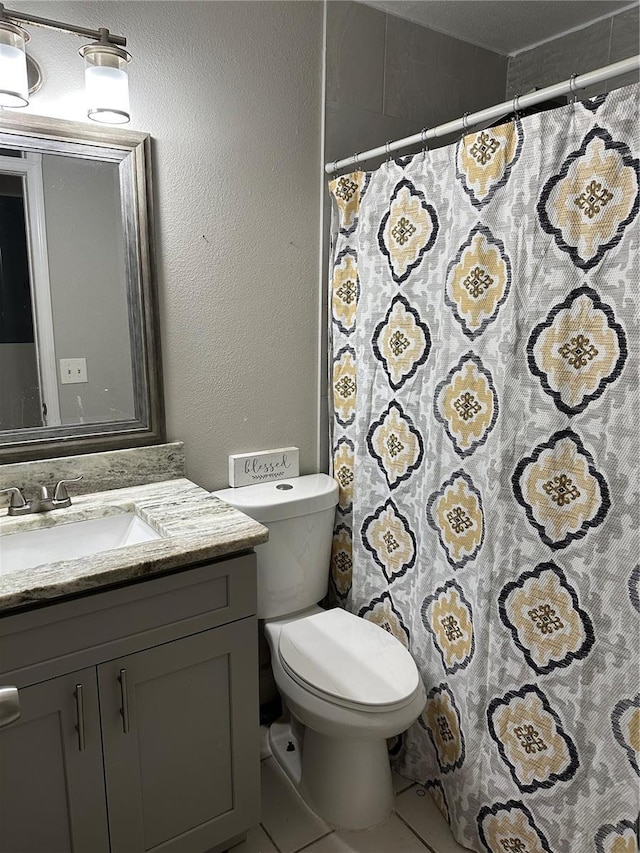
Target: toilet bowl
{"x": 346, "y": 684}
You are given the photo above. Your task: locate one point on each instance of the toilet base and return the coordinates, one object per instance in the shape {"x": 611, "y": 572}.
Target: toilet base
{"x": 281, "y": 738}
{"x": 346, "y": 781}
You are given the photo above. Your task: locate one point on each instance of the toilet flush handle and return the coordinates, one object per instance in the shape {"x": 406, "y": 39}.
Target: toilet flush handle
{"x": 9, "y": 705}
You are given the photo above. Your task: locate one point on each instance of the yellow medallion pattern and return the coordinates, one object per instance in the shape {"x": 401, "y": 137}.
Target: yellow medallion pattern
{"x": 510, "y": 828}
{"x": 542, "y": 611}
{"x": 407, "y": 231}
{"x": 342, "y": 558}
{"x": 578, "y": 350}
{"x": 448, "y": 617}
{"x": 531, "y": 739}
{"x": 343, "y": 472}
{"x": 441, "y": 719}
{"x": 344, "y": 385}
{"x": 478, "y": 281}
{"x": 590, "y": 203}
{"x": 395, "y": 444}
{"x": 344, "y": 291}
{"x": 387, "y": 536}
{"x": 401, "y": 342}
{"x": 455, "y": 513}
{"x": 484, "y": 160}
{"x": 466, "y": 404}
{"x": 347, "y": 191}
{"x": 560, "y": 489}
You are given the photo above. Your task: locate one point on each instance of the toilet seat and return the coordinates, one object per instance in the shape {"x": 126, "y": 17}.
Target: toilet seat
{"x": 348, "y": 661}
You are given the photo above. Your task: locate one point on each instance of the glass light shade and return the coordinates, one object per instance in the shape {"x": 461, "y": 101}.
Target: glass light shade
{"x": 14, "y": 87}
{"x": 106, "y": 83}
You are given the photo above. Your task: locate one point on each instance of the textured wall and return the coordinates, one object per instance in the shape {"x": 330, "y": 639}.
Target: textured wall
{"x": 601, "y": 43}
{"x": 231, "y": 94}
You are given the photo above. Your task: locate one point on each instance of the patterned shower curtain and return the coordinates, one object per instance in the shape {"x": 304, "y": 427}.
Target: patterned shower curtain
{"x": 485, "y": 313}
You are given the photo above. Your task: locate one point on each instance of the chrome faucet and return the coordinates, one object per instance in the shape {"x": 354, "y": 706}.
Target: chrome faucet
{"x": 44, "y": 500}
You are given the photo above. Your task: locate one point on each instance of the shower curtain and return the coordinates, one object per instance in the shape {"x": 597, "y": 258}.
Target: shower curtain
{"x": 485, "y": 439}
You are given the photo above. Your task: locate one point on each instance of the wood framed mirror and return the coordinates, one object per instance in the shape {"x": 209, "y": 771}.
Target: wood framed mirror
{"x": 80, "y": 364}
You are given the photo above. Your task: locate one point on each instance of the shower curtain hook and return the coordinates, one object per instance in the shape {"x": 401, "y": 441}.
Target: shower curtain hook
{"x": 572, "y": 86}
{"x": 387, "y": 148}
{"x": 424, "y": 142}
{"x": 516, "y": 106}
{"x": 355, "y": 159}
{"x": 465, "y": 124}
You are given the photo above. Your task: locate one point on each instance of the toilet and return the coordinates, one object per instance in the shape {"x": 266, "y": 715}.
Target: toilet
{"x": 346, "y": 684}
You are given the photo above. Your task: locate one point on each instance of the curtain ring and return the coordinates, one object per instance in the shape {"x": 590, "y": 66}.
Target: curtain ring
{"x": 516, "y": 107}
{"x": 465, "y": 124}
{"x": 387, "y": 148}
{"x": 424, "y": 142}
{"x": 355, "y": 159}
{"x": 572, "y": 87}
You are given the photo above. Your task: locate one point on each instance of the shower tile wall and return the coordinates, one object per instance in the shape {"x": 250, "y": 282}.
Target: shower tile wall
{"x": 601, "y": 43}
{"x": 388, "y": 78}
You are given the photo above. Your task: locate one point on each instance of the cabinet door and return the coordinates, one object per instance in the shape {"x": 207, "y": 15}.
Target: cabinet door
{"x": 181, "y": 743}
{"x": 51, "y": 773}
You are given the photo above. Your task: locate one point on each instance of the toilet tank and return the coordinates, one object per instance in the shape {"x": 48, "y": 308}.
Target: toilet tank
{"x": 293, "y": 566}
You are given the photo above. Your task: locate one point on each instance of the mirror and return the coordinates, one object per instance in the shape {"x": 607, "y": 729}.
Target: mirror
{"x": 79, "y": 341}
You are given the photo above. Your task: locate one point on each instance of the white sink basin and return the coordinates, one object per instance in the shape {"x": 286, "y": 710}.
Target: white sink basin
{"x": 31, "y": 548}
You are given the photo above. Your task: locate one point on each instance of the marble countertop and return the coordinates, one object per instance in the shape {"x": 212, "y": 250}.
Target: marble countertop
{"x": 195, "y": 525}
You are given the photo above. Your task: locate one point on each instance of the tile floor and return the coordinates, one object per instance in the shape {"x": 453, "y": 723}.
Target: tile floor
{"x": 288, "y": 825}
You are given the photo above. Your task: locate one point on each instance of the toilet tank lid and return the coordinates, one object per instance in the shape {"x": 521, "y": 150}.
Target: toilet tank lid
{"x": 283, "y": 499}
{"x": 348, "y": 657}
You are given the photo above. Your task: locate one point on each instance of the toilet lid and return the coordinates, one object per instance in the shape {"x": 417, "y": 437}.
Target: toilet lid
{"x": 349, "y": 659}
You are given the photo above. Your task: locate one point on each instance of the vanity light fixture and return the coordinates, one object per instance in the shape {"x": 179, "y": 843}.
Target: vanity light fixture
{"x": 106, "y": 80}
{"x": 14, "y": 88}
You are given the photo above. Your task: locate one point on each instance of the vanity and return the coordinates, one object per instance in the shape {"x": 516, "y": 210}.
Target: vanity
{"x": 137, "y": 676}
{"x": 128, "y": 628}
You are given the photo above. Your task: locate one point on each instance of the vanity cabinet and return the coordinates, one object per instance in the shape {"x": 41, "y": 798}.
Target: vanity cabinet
{"x": 153, "y": 743}
{"x": 49, "y": 787}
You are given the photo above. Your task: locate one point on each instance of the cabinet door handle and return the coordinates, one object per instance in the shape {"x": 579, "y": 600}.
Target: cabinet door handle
{"x": 80, "y": 717}
{"x": 124, "y": 700}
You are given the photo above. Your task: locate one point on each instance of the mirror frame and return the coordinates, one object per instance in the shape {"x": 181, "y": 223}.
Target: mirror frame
{"x": 132, "y": 151}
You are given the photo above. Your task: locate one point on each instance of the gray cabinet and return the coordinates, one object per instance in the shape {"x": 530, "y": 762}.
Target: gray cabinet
{"x": 154, "y": 746}
{"x": 48, "y": 778}
{"x": 175, "y": 741}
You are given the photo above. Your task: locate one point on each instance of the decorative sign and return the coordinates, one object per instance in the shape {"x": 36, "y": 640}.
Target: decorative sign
{"x": 264, "y": 466}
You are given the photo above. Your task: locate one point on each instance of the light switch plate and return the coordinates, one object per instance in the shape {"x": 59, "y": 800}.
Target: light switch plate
{"x": 73, "y": 370}
{"x": 263, "y": 466}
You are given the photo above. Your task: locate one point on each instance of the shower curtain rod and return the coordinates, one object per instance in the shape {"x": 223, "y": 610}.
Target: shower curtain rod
{"x": 519, "y": 102}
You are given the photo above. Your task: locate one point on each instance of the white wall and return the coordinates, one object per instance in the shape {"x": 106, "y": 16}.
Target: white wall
{"x": 231, "y": 92}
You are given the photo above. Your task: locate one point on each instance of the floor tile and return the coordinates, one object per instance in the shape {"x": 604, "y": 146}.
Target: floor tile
{"x": 257, "y": 841}
{"x": 400, "y": 784}
{"x": 285, "y": 816}
{"x": 416, "y": 807}
{"x": 392, "y": 836}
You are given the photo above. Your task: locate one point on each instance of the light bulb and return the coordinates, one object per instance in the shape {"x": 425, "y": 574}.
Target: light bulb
{"x": 106, "y": 83}
{"x": 14, "y": 87}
